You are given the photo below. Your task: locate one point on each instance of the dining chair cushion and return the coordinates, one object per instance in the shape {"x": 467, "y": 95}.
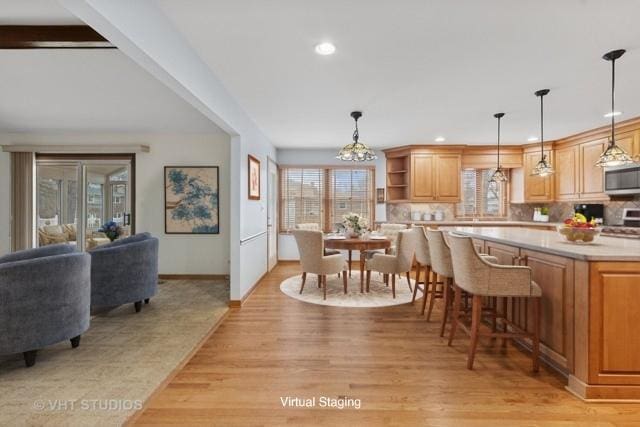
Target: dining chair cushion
{"x": 311, "y": 247}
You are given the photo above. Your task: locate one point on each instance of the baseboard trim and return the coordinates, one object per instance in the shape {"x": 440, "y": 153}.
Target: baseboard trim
{"x": 237, "y": 303}
{"x": 193, "y": 276}
{"x": 134, "y": 417}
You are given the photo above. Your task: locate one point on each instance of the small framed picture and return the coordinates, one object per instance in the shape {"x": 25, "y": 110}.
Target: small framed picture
{"x": 254, "y": 178}
{"x": 380, "y": 195}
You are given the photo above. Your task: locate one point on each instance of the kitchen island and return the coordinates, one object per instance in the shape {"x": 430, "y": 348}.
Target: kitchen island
{"x": 590, "y": 327}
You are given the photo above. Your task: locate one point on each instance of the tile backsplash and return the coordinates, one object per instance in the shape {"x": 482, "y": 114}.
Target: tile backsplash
{"x": 517, "y": 212}
{"x": 558, "y": 211}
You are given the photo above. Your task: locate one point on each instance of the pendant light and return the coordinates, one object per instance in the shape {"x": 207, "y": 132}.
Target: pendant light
{"x": 543, "y": 168}
{"x": 499, "y": 175}
{"x": 356, "y": 151}
{"x": 614, "y": 155}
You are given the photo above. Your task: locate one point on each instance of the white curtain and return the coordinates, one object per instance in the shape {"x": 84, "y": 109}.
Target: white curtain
{"x": 22, "y": 206}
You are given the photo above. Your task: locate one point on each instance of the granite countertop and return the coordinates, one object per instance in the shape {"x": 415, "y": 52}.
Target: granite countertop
{"x": 472, "y": 223}
{"x": 548, "y": 241}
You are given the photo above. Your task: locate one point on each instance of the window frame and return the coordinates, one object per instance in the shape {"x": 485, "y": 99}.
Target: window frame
{"x": 326, "y": 197}
{"x": 479, "y": 208}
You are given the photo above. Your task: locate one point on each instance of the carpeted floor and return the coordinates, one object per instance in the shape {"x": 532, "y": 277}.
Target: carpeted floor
{"x": 379, "y": 294}
{"x": 122, "y": 359}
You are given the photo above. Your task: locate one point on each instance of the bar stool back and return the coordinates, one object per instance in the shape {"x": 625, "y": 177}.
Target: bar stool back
{"x": 440, "y": 257}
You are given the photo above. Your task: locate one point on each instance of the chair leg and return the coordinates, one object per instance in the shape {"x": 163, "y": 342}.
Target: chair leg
{"x": 457, "y": 300}
{"x": 476, "y": 311}
{"x": 386, "y": 279}
{"x": 146, "y": 301}
{"x": 505, "y": 304}
{"x": 535, "y": 340}
{"x": 319, "y": 281}
{"x": 350, "y": 263}
{"x": 446, "y": 291}
{"x": 393, "y": 285}
{"x": 368, "y": 280}
{"x": 304, "y": 279}
{"x": 138, "y": 306}
{"x": 434, "y": 288}
{"x": 75, "y": 341}
{"x": 344, "y": 280}
{"x": 494, "y": 314}
{"x": 324, "y": 287}
{"x": 426, "y": 288}
{"x": 415, "y": 289}
{"x": 409, "y": 282}
{"x": 30, "y": 357}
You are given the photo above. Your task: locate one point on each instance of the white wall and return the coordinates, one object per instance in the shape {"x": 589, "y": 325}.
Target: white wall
{"x": 179, "y": 254}
{"x": 142, "y": 32}
{"x": 287, "y": 249}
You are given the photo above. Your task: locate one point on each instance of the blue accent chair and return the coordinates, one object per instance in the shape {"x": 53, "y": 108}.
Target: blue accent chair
{"x": 124, "y": 271}
{"x": 44, "y": 299}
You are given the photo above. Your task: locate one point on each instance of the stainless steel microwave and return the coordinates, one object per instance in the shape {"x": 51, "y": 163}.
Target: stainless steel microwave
{"x": 622, "y": 179}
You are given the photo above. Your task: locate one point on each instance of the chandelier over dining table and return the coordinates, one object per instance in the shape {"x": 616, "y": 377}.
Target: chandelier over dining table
{"x": 356, "y": 151}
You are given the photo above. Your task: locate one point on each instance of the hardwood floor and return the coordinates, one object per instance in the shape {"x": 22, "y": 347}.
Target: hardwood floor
{"x": 389, "y": 358}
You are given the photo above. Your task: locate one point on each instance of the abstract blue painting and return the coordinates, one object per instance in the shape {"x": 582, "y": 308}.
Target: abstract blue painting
{"x": 191, "y": 200}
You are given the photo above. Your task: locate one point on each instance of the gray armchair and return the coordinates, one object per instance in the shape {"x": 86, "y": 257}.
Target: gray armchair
{"x": 44, "y": 299}
{"x": 124, "y": 271}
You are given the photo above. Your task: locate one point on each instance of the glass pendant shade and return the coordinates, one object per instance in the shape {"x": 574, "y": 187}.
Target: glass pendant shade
{"x": 614, "y": 155}
{"x": 543, "y": 168}
{"x": 356, "y": 151}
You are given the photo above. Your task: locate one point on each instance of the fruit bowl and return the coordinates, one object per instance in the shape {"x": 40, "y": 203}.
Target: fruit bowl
{"x": 579, "y": 234}
{"x": 578, "y": 230}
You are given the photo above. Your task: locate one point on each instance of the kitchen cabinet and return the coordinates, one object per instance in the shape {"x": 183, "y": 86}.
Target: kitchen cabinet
{"x": 630, "y": 142}
{"x": 591, "y": 177}
{"x": 537, "y": 188}
{"x": 567, "y": 173}
{"x": 435, "y": 177}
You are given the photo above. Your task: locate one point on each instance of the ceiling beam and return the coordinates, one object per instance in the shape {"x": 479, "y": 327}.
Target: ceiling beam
{"x": 51, "y": 37}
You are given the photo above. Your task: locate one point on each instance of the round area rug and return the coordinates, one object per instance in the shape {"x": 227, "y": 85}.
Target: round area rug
{"x": 379, "y": 294}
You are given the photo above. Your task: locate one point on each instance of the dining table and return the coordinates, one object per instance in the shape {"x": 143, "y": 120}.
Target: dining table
{"x": 361, "y": 244}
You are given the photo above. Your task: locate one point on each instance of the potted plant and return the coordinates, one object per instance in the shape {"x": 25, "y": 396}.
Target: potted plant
{"x": 111, "y": 229}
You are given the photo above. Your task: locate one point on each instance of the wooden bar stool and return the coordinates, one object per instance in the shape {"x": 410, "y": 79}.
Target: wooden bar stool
{"x": 480, "y": 278}
{"x": 440, "y": 257}
{"x": 423, "y": 260}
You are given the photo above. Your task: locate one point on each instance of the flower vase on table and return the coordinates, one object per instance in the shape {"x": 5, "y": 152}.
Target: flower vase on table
{"x": 354, "y": 225}
{"x": 111, "y": 229}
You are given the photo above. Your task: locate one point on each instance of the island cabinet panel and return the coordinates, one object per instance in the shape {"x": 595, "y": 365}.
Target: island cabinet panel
{"x": 423, "y": 186}
{"x": 507, "y": 255}
{"x": 614, "y": 346}
{"x": 555, "y": 276}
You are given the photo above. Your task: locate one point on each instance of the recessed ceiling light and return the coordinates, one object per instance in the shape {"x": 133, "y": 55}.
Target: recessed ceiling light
{"x": 532, "y": 139}
{"x": 440, "y": 139}
{"x": 325, "y": 48}
{"x": 613, "y": 114}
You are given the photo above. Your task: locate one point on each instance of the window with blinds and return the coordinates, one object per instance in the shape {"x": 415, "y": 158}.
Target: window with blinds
{"x": 323, "y": 195}
{"x": 479, "y": 199}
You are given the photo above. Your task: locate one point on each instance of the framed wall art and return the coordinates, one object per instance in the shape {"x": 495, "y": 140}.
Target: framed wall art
{"x": 191, "y": 200}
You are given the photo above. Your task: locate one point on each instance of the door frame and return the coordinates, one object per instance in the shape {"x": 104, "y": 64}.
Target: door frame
{"x": 83, "y": 160}
{"x": 273, "y": 228}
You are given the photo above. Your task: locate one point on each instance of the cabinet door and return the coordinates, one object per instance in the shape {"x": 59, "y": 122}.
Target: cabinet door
{"x": 448, "y": 170}
{"x": 422, "y": 177}
{"x": 536, "y": 188}
{"x": 555, "y": 277}
{"x": 630, "y": 142}
{"x": 592, "y": 176}
{"x": 566, "y": 166}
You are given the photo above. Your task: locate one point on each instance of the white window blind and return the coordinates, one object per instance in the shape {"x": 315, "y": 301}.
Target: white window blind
{"x": 478, "y": 198}
{"x": 323, "y": 195}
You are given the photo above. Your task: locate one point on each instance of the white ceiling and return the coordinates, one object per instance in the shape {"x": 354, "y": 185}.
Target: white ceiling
{"x": 417, "y": 68}
{"x": 83, "y": 90}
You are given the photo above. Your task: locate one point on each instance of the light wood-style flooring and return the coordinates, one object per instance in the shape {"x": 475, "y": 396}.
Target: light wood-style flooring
{"x": 389, "y": 358}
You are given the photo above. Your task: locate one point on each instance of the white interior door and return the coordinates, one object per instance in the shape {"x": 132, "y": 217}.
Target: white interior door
{"x": 272, "y": 213}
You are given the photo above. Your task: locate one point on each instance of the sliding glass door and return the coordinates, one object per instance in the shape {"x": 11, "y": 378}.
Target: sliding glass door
{"x": 84, "y": 202}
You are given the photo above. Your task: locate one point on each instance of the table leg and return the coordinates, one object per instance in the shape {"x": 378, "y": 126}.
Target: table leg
{"x": 349, "y": 263}
{"x": 362, "y": 257}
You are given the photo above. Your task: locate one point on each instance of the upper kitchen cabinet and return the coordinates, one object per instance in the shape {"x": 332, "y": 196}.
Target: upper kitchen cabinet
{"x": 567, "y": 172}
{"x": 423, "y": 174}
{"x": 591, "y": 177}
{"x": 536, "y": 188}
{"x": 630, "y": 142}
